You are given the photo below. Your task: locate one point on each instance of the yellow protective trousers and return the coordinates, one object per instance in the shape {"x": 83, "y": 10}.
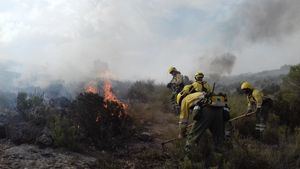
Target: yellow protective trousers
{"x": 188, "y": 102}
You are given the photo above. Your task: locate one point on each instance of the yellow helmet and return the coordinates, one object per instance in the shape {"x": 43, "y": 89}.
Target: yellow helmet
{"x": 199, "y": 75}
{"x": 246, "y": 85}
{"x": 172, "y": 69}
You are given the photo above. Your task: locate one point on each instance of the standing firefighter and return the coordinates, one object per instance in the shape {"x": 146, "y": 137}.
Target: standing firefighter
{"x": 176, "y": 85}
{"x": 177, "y": 82}
{"x": 259, "y": 104}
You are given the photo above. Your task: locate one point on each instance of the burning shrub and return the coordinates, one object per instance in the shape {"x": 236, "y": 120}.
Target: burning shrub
{"x": 104, "y": 122}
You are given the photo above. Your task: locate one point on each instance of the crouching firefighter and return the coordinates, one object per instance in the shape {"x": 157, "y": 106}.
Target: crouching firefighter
{"x": 259, "y": 104}
{"x": 176, "y": 85}
{"x": 190, "y": 93}
{"x": 208, "y": 113}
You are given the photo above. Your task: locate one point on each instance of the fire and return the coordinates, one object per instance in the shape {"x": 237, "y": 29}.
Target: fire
{"x": 110, "y": 96}
{"x": 91, "y": 89}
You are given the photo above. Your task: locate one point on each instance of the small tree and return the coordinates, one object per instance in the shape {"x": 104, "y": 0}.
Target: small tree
{"x": 288, "y": 99}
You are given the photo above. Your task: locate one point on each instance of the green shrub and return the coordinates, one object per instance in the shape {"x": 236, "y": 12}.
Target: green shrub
{"x": 64, "y": 133}
{"x": 288, "y": 99}
{"x": 141, "y": 91}
{"x": 238, "y": 159}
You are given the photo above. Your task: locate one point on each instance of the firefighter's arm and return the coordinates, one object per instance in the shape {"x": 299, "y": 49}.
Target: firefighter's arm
{"x": 178, "y": 79}
{"x": 249, "y": 107}
{"x": 186, "y": 90}
{"x": 208, "y": 87}
{"x": 258, "y": 96}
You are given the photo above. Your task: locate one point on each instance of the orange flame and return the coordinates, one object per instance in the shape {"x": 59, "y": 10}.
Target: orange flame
{"x": 110, "y": 96}
{"x": 91, "y": 89}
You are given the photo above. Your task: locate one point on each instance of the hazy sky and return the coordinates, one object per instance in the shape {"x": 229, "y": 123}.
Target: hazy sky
{"x": 139, "y": 39}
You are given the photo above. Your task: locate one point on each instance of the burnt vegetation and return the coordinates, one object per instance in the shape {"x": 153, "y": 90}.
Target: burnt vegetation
{"x": 91, "y": 122}
{"x": 105, "y": 123}
{"x": 87, "y": 121}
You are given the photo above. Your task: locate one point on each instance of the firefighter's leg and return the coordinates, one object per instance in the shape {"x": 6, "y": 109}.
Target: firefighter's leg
{"x": 197, "y": 130}
{"x": 260, "y": 124}
{"x": 263, "y": 119}
{"x": 217, "y": 129}
{"x": 186, "y": 104}
{"x": 265, "y": 113}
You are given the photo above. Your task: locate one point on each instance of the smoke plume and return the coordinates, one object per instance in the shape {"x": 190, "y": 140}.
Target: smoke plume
{"x": 266, "y": 20}
{"x": 217, "y": 65}
{"x": 222, "y": 64}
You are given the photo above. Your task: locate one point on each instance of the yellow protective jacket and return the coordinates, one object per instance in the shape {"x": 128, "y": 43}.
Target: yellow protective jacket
{"x": 191, "y": 100}
{"x": 202, "y": 86}
{"x": 255, "y": 100}
{"x": 192, "y": 88}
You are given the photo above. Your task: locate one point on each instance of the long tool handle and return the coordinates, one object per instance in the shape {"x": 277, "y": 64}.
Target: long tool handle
{"x": 241, "y": 116}
{"x": 174, "y": 139}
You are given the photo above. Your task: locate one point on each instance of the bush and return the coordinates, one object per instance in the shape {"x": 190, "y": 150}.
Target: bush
{"x": 64, "y": 133}
{"x": 141, "y": 91}
{"x": 288, "y": 99}
{"x": 105, "y": 123}
{"x": 32, "y": 108}
{"x": 252, "y": 159}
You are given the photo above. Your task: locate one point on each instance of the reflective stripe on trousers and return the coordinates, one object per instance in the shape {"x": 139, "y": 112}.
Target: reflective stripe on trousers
{"x": 260, "y": 127}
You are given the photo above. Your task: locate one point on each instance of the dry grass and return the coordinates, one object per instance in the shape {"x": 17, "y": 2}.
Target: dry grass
{"x": 277, "y": 151}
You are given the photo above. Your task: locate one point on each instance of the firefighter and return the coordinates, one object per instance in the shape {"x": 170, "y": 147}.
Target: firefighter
{"x": 188, "y": 97}
{"x": 259, "y": 104}
{"x": 176, "y": 85}
{"x": 177, "y": 82}
{"x": 208, "y": 113}
{"x": 199, "y": 84}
